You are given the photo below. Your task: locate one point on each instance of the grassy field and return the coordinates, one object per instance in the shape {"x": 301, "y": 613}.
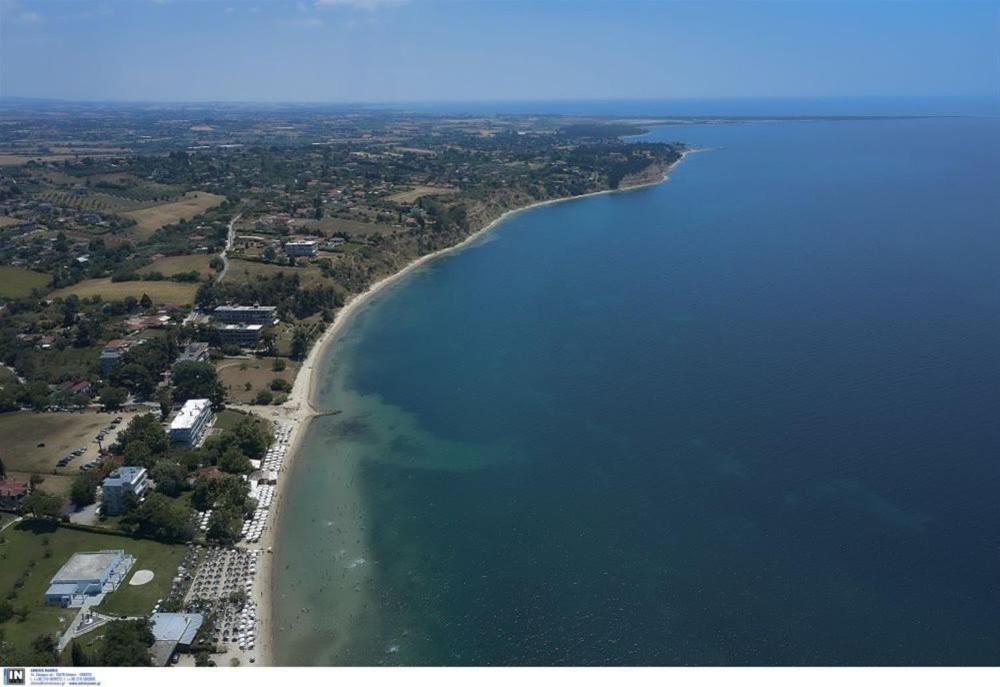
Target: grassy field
{"x": 175, "y": 264}
{"x": 235, "y": 373}
{"x": 17, "y": 282}
{"x": 191, "y": 205}
{"x": 6, "y": 221}
{"x": 247, "y": 271}
{"x": 37, "y": 550}
{"x": 60, "y": 433}
{"x": 414, "y": 194}
{"x": 162, "y": 292}
{"x": 227, "y": 419}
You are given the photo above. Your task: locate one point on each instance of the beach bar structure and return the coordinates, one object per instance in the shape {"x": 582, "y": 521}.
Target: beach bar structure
{"x": 173, "y": 632}
{"x": 191, "y": 421}
{"x": 86, "y": 577}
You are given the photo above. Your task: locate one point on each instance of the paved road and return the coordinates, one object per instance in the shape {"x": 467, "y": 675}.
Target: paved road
{"x": 230, "y": 237}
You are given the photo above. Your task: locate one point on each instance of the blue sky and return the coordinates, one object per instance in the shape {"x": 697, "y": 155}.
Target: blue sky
{"x": 433, "y": 50}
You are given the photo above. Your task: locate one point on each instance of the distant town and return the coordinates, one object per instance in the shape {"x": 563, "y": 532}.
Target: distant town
{"x": 164, "y": 274}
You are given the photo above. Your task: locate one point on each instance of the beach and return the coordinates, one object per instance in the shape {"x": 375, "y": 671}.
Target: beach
{"x": 298, "y": 411}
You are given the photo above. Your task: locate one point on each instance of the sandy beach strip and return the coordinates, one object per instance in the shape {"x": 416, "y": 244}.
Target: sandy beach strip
{"x": 298, "y": 410}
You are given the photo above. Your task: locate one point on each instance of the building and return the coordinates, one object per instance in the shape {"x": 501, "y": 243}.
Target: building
{"x": 246, "y": 314}
{"x": 193, "y": 353}
{"x": 240, "y": 334}
{"x": 112, "y": 354}
{"x": 191, "y": 421}
{"x": 301, "y": 249}
{"x": 124, "y": 480}
{"x": 86, "y": 577}
{"x": 173, "y": 632}
{"x": 12, "y": 493}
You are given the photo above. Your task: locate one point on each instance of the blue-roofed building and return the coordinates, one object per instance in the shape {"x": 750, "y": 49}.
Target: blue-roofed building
{"x": 124, "y": 480}
{"x": 173, "y": 632}
{"x": 87, "y": 576}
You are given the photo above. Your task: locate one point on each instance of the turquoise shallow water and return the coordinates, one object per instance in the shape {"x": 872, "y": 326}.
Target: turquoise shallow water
{"x": 750, "y": 416}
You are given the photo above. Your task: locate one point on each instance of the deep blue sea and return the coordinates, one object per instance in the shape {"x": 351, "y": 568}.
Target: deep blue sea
{"x": 750, "y": 416}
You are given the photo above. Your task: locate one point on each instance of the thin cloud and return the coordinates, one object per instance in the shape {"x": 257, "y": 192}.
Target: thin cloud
{"x": 366, "y": 5}
{"x": 14, "y": 12}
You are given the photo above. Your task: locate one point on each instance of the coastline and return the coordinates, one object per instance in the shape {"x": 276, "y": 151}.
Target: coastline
{"x": 298, "y": 411}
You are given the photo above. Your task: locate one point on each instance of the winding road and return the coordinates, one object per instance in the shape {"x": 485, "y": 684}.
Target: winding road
{"x": 230, "y": 237}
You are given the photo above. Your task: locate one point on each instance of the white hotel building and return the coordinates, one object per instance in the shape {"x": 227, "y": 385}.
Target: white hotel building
{"x": 194, "y": 417}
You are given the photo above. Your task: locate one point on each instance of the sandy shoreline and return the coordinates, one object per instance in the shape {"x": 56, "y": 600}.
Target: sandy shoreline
{"x": 298, "y": 410}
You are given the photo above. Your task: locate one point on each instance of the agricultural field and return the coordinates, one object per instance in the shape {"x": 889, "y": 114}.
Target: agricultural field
{"x": 162, "y": 292}
{"x": 34, "y": 443}
{"x": 33, "y": 551}
{"x": 236, "y": 373}
{"x": 177, "y": 264}
{"x": 418, "y": 192}
{"x": 191, "y": 205}
{"x": 6, "y": 221}
{"x": 17, "y": 282}
{"x": 248, "y": 270}
{"x": 114, "y": 201}
{"x": 329, "y": 225}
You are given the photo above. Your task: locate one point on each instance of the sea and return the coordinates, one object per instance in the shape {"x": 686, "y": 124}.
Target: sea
{"x": 749, "y": 416}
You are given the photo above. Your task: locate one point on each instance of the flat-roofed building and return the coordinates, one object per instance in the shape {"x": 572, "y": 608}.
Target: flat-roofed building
{"x": 87, "y": 576}
{"x": 240, "y": 334}
{"x": 301, "y": 249}
{"x": 191, "y": 421}
{"x": 125, "y": 480}
{"x": 246, "y": 314}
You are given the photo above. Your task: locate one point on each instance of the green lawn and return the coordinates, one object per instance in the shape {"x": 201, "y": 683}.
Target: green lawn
{"x": 17, "y": 282}
{"x": 40, "y": 549}
{"x": 227, "y": 419}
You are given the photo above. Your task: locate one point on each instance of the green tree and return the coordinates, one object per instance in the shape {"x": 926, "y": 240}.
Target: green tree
{"x": 126, "y": 643}
{"x": 224, "y": 525}
{"x": 3, "y": 470}
{"x": 264, "y": 398}
{"x": 145, "y": 302}
{"x": 300, "y": 344}
{"x": 39, "y": 504}
{"x": 147, "y": 429}
{"x": 279, "y": 384}
{"x": 83, "y": 490}
{"x": 134, "y": 377}
{"x": 163, "y": 519}
{"x": 170, "y": 477}
{"x": 197, "y": 380}
{"x": 113, "y": 397}
{"x": 234, "y": 461}
{"x": 166, "y": 401}
{"x": 78, "y": 657}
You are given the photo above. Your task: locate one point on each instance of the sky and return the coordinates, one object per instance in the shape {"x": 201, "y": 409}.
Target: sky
{"x": 377, "y": 51}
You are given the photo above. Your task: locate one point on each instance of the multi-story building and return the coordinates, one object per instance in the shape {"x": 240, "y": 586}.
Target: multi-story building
{"x": 124, "y": 480}
{"x": 299, "y": 249}
{"x": 191, "y": 421}
{"x": 111, "y": 355}
{"x": 240, "y": 334}
{"x": 245, "y": 314}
